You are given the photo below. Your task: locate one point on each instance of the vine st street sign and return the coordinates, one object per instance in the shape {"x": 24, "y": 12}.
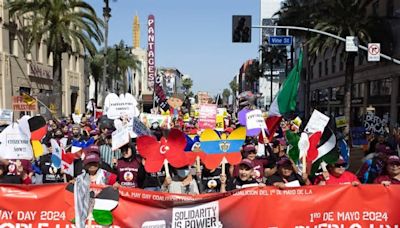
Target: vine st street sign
{"x": 280, "y": 40}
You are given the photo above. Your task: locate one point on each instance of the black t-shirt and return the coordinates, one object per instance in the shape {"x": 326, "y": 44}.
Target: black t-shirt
{"x": 237, "y": 183}
{"x": 210, "y": 181}
{"x": 146, "y": 180}
{"x": 278, "y": 178}
{"x": 50, "y": 173}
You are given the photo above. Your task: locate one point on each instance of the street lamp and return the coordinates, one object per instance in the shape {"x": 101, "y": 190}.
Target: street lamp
{"x": 107, "y": 16}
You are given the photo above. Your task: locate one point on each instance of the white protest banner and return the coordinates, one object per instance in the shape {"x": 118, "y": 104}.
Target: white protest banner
{"x": 207, "y": 213}
{"x": 120, "y": 137}
{"x": 6, "y": 116}
{"x": 14, "y": 144}
{"x": 317, "y": 122}
{"x": 77, "y": 118}
{"x": 207, "y": 116}
{"x": 115, "y": 107}
{"x": 255, "y": 120}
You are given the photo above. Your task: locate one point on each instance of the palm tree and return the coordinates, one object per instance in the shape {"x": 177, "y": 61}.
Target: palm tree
{"x": 226, "y": 93}
{"x": 64, "y": 26}
{"x": 342, "y": 18}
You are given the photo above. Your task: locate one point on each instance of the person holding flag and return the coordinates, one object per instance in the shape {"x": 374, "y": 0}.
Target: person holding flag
{"x": 337, "y": 174}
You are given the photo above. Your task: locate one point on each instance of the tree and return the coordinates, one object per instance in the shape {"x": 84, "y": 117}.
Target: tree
{"x": 64, "y": 26}
{"x": 96, "y": 70}
{"x": 226, "y": 93}
{"x": 187, "y": 84}
{"x": 342, "y": 18}
{"x": 252, "y": 74}
{"x": 272, "y": 56}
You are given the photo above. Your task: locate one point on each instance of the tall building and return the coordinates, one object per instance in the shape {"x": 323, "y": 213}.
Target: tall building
{"x": 32, "y": 73}
{"x": 375, "y": 84}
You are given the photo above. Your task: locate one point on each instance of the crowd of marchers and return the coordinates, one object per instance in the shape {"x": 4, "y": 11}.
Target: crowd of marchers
{"x": 263, "y": 163}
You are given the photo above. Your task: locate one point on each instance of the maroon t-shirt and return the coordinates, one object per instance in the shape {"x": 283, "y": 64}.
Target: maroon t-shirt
{"x": 128, "y": 172}
{"x": 379, "y": 180}
{"x": 12, "y": 167}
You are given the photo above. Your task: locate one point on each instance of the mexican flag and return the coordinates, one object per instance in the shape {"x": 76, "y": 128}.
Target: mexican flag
{"x": 285, "y": 101}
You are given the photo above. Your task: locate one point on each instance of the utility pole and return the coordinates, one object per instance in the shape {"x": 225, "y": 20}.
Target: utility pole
{"x": 107, "y": 16}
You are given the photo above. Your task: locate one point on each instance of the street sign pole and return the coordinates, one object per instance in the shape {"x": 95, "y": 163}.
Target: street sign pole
{"x": 327, "y": 34}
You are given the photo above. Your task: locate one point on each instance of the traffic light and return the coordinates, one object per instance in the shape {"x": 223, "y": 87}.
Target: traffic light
{"x": 241, "y": 28}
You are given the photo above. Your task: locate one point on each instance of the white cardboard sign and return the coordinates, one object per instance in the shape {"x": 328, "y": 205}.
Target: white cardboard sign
{"x": 120, "y": 137}
{"x": 14, "y": 144}
{"x": 255, "y": 120}
{"x": 317, "y": 122}
{"x": 77, "y": 118}
{"x": 125, "y": 104}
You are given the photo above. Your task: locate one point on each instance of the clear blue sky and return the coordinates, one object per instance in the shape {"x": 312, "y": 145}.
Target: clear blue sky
{"x": 193, "y": 36}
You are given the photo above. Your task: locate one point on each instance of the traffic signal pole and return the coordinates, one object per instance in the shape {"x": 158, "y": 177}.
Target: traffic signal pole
{"x": 326, "y": 34}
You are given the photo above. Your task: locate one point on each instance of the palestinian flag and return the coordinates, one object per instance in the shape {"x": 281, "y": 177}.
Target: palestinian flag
{"x": 327, "y": 150}
{"x": 285, "y": 101}
{"x": 104, "y": 203}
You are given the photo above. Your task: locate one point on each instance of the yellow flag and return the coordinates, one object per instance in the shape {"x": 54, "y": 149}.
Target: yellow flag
{"x": 219, "y": 123}
{"x": 28, "y": 99}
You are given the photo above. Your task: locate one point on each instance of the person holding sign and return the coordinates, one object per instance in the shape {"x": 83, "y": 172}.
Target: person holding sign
{"x": 244, "y": 180}
{"x": 128, "y": 167}
{"x": 286, "y": 175}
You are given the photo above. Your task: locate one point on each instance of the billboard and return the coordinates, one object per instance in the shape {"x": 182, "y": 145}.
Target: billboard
{"x": 151, "y": 50}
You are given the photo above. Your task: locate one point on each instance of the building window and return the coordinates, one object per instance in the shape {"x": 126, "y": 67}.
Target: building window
{"x": 326, "y": 67}
{"x": 380, "y": 87}
{"x": 357, "y": 90}
{"x": 13, "y": 45}
{"x": 319, "y": 69}
{"x": 333, "y": 65}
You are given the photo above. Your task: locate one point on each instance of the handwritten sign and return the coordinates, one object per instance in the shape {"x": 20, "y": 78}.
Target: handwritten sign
{"x": 14, "y": 144}
{"x": 255, "y": 120}
{"x": 19, "y": 105}
{"x": 375, "y": 124}
{"x": 116, "y": 107}
{"x": 120, "y": 137}
{"x": 317, "y": 122}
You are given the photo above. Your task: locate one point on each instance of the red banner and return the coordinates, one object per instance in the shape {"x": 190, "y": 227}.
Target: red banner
{"x": 369, "y": 206}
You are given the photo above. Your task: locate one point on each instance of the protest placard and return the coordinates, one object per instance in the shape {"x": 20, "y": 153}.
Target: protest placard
{"x": 6, "y": 116}
{"x": 317, "y": 122}
{"x": 149, "y": 119}
{"x": 139, "y": 128}
{"x": 207, "y": 116}
{"x": 255, "y": 120}
{"x": 120, "y": 137}
{"x": 341, "y": 121}
{"x": 14, "y": 144}
{"x": 116, "y": 106}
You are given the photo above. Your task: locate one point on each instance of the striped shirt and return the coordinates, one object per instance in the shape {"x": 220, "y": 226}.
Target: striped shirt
{"x": 107, "y": 155}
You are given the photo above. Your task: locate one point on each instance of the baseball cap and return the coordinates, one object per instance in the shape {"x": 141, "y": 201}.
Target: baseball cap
{"x": 284, "y": 162}
{"x": 393, "y": 160}
{"x": 91, "y": 157}
{"x": 92, "y": 149}
{"x": 340, "y": 160}
{"x": 247, "y": 162}
{"x": 249, "y": 147}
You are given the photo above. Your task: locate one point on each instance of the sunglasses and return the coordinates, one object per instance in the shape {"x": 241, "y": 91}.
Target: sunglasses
{"x": 342, "y": 165}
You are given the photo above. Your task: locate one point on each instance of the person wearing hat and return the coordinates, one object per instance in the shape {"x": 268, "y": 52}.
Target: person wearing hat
{"x": 259, "y": 164}
{"x": 337, "y": 174}
{"x": 128, "y": 166}
{"x": 392, "y": 175}
{"x": 286, "y": 175}
{"x": 243, "y": 180}
{"x": 97, "y": 175}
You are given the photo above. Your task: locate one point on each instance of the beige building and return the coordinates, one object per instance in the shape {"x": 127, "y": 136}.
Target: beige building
{"x": 32, "y": 73}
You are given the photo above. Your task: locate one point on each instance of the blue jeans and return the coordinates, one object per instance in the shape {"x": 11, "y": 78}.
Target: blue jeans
{"x": 156, "y": 189}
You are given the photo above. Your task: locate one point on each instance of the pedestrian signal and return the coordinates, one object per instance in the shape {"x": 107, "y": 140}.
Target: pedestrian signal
{"x": 241, "y": 28}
